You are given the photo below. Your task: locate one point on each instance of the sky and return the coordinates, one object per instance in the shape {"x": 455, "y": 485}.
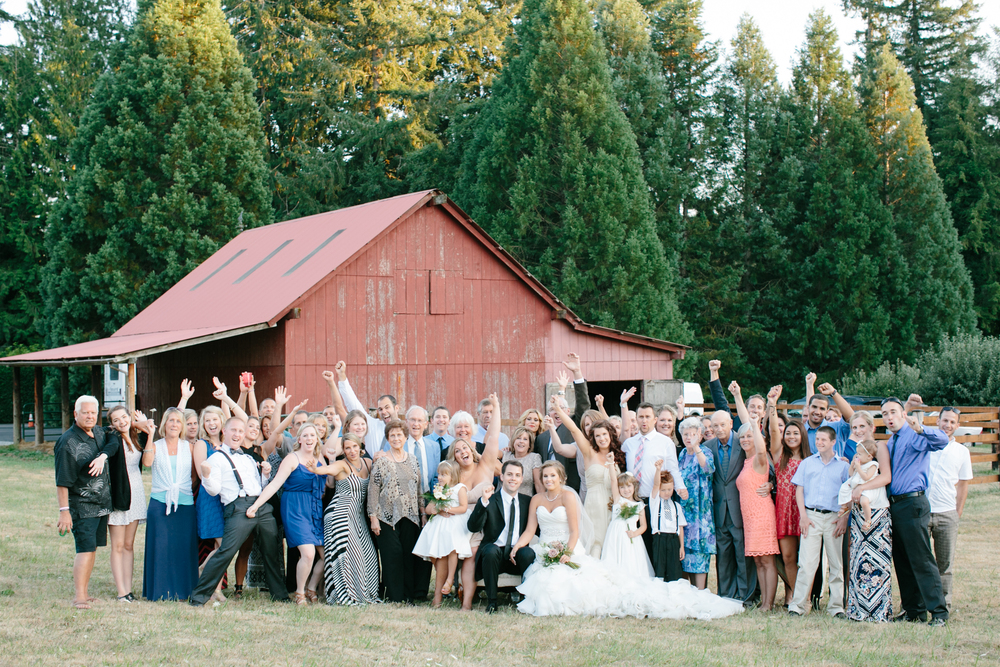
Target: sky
{"x": 782, "y": 23}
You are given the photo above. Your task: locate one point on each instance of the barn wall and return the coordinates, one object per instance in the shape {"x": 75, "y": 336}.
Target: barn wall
{"x": 158, "y": 377}
{"x": 431, "y": 316}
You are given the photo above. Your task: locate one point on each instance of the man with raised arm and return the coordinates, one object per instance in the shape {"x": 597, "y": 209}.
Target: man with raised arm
{"x": 543, "y": 445}
{"x": 387, "y": 410}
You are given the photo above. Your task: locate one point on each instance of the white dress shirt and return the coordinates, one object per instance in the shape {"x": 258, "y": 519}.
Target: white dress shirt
{"x": 419, "y": 451}
{"x": 666, "y": 516}
{"x": 479, "y": 437}
{"x": 376, "y": 427}
{"x": 222, "y": 482}
{"x": 505, "y": 500}
{"x": 656, "y": 446}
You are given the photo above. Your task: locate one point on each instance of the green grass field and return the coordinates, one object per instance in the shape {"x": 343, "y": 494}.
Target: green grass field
{"x": 38, "y": 625}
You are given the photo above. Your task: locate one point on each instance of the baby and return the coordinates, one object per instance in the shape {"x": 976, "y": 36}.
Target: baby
{"x": 862, "y": 470}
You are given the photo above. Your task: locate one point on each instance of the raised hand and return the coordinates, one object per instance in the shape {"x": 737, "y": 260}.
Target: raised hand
{"x": 219, "y": 386}
{"x": 335, "y": 423}
{"x": 341, "y": 369}
{"x": 495, "y": 400}
{"x": 329, "y": 377}
{"x": 187, "y": 390}
{"x": 563, "y": 379}
{"x": 599, "y": 400}
{"x": 548, "y": 423}
{"x": 913, "y": 401}
{"x": 658, "y": 465}
{"x": 714, "y": 365}
{"x": 827, "y": 389}
{"x": 774, "y": 394}
{"x": 734, "y": 388}
{"x": 679, "y": 404}
{"x": 281, "y": 396}
{"x": 810, "y": 379}
{"x": 244, "y": 385}
{"x": 628, "y": 394}
{"x": 572, "y": 363}
{"x": 143, "y": 423}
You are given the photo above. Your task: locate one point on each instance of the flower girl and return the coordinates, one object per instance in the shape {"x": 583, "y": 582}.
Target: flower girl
{"x": 445, "y": 538}
{"x": 623, "y": 546}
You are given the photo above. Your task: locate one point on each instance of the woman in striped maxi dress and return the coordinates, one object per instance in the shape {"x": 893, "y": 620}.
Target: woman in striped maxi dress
{"x": 350, "y": 559}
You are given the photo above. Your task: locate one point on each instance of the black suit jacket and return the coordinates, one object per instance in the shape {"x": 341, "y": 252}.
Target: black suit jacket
{"x": 489, "y": 519}
{"x": 542, "y": 441}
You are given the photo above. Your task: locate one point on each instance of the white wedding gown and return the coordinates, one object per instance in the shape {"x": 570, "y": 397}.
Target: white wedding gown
{"x": 600, "y": 589}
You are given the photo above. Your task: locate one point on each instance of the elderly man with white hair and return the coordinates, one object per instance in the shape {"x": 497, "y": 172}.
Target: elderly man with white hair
{"x": 83, "y": 490}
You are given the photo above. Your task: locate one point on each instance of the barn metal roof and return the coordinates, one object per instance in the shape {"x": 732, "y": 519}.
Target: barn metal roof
{"x": 254, "y": 280}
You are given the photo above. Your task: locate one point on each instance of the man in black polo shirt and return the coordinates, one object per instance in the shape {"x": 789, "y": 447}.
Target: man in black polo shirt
{"x": 83, "y": 489}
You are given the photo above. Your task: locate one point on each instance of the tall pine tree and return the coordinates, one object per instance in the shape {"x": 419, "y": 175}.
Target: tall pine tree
{"x": 938, "y": 292}
{"x": 554, "y": 174}
{"x": 46, "y": 79}
{"x": 169, "y": 166}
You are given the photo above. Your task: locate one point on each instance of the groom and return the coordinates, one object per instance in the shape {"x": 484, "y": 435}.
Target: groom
{"x": 502, "y": 522}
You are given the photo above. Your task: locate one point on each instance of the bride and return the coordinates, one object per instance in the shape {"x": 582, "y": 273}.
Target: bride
{"x": 594, "y": 588}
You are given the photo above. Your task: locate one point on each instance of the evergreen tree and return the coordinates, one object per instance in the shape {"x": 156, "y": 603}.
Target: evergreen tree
{"x": 169, "y": 166}
{"x": 46, "y": 78}
{"x": 554, "y": 175}
{"x": 845, "y": 265}
{"x": 938, "y": 292}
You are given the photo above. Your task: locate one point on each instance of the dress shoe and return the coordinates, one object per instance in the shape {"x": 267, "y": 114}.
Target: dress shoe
{"x": 937, "y": 622}
{"x": 491, "y": 607}
{"x": 794, "y": 613}
{"x": 841, "y": 615}
{"x": 903, "y": 618}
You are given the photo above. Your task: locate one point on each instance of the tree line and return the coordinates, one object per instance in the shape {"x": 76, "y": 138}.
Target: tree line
{"x": 655, "y": 180}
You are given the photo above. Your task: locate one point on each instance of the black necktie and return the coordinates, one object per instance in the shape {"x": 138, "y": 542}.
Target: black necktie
{"x": 441, "y": 442}
{"x": 510, "y": 529}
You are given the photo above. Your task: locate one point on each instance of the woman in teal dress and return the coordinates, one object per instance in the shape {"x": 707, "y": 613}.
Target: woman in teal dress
{"x": 697, "y": 466}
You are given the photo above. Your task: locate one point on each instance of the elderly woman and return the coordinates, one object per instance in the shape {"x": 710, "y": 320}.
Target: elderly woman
{"x": 697, "y": 467}
{"x": 171, "y": 559}
{"x": 476, "y": 473}
{"x": 522, "y": 445}
{"x": 395, "y": 505}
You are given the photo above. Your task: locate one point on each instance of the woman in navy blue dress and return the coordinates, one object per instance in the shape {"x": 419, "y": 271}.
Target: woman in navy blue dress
{"x": 301, "y": 509}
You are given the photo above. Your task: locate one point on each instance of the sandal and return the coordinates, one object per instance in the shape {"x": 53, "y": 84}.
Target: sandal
{"x": 125, "y": 598}
{"x": 446, "y": 590}
{"x": 300, "y": 598}
{"x": 237, "y": 592}
{"x": 311, "y": 596}
{"x": 218, "y": 596}
{"x": 81, "y": 604}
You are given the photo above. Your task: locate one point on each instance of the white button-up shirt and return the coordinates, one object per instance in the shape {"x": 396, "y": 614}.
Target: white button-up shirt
{"x": 222, "y": 482}
{"x": 656, "y": 446}
{"x": 505, "y": 500}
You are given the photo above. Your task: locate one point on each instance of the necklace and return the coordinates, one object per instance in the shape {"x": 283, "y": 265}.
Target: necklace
{"x": 551, "y": 500}
{"x": 392, "y": 453}
{"x": 356, "y": 470}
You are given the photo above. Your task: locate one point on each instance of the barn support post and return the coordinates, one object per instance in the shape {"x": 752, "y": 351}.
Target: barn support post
{"x": 67, "y": 413}
{"x": 95, "y": 389}
{"x": 16, "y": 373}
{"x": 130, "y": 387}
{"x": 39, "y": 405}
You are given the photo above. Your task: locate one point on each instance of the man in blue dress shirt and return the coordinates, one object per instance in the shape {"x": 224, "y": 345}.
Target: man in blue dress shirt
{"x": 916, "y": 569}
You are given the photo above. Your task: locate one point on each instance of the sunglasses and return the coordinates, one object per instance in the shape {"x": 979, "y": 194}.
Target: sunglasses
{"x": 949, "y": 408}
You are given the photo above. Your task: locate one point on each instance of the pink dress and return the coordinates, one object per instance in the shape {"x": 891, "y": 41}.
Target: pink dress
{"x": 786, "y": 509}
{"x": 760, "y": 536}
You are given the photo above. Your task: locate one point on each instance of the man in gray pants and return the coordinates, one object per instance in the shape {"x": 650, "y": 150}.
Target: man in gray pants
{"x": 234, "y": 476}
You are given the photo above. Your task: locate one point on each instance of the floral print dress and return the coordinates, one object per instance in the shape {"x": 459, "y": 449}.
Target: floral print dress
{"x": 699, "y": 534}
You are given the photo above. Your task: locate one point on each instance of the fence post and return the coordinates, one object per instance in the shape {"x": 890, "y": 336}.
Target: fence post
{"x": 67, "y": 415}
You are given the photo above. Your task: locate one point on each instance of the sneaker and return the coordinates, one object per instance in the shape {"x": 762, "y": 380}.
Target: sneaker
{"x": 125, "y": 599}
{"x": 131, "y": 598}
{"x": 937, "y": 622}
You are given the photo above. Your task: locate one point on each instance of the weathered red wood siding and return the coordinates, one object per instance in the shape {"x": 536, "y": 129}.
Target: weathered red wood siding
{"x": 428, "y": 314}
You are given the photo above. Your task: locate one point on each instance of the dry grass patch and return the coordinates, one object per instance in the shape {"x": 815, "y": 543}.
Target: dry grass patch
{"x": 37, "y": 624}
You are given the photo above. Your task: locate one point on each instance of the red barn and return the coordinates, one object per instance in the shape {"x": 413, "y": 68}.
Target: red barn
{"x": 415, "y": 297}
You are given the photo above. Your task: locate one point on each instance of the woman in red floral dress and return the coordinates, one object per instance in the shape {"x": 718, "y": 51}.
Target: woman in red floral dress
{"x": 787, "y": 451}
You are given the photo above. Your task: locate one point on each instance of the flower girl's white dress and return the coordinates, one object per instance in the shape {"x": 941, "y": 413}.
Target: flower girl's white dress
{"x": 445, "y": 533}
{"x": 627, "y": 554}
{"x": 600, "y": 589}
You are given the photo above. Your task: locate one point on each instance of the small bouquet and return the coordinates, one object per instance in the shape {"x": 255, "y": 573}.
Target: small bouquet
{"x": 553, "y": 551}
{"x": 440, "y": 497}
{"x": 627, "y": 512}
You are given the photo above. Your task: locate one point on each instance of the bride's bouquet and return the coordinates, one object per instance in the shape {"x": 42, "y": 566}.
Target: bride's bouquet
{"x": 440, "y": 497}
{"x": 553, "y": 551}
